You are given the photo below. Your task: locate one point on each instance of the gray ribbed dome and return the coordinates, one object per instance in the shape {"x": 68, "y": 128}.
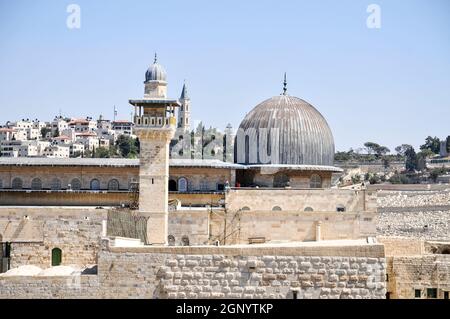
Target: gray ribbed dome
{"x": 304, "y": 135}
{"x": 156, "y": 72}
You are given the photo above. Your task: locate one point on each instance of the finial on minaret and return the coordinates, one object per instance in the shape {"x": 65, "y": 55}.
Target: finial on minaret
{"x": 156, "y": 58}
{"x": 284, "y": 84}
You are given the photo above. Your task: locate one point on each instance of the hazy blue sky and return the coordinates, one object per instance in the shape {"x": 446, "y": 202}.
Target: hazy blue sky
{"x": 389, "y": 85}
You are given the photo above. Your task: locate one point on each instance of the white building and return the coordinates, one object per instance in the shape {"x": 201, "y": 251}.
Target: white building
{"x": 83, "y": 125}
{"x": 57, "y": 151}
{"x": 6, "y": 134}
{"x": 123, "y": 127}
{"x": 76, "y": 148}
{"x": 58, "y": 125}
{"x": 18, "y": 149}
{"x": 89, "y": 140}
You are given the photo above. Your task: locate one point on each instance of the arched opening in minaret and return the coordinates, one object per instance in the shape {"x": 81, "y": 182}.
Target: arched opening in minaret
{"x": 173, "y": 187}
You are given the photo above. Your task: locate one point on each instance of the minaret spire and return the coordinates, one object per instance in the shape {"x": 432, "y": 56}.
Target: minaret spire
{"x": 156, "y": 58}
{"x": 284, "y": 84}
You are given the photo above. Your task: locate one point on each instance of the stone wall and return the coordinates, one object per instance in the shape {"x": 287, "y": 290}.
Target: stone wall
{"x": 307, "y": 271}
{"x": 298, "y": 199}
{"x": 191, "y": 223}
{"x": 34, "y": 232}
{"x": 240, "y": 227}
{"x": 410, "y": 273}
{"x": 402, "y": 246}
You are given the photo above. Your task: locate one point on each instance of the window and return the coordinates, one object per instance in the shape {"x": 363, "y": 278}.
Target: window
{"x": 185, "y": 240}
{"x": 340, "y": 208}
{"x": 95, "y": 185}
{"x": 55, "y": 184}
{"x": 245, "y": 208}
{"x": 417, "y": 293}
{"x": 431, "y": 293}
{"x": 36, "y": 184}
{"x": 276, "y": 208}
{"x": 1, "y": 183}
{"x": 75, "y": 184}
{"x": 446, "y": 295}
{"x": 171, "y": 240}
{"x": 315, "y": 181}
{"x": 56, "y": 257}
{"x": 220, "y": 187}
{"x": 308, "y": 209}
{"x": 182, "y": 184}
{"x": 113, "y": 185}
{"x": 17, "y": 183}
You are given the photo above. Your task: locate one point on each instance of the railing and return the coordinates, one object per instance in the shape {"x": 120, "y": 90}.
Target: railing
{"x": 153, "y": 121}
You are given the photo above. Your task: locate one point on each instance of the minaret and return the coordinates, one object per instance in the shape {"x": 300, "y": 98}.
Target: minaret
{"x": 184, "y": 113}
{"x": 155, "y": 123}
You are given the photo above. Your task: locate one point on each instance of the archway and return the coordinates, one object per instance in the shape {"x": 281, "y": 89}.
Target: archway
{"x": 173, "y": 185}
{"x": 280, "y": 180}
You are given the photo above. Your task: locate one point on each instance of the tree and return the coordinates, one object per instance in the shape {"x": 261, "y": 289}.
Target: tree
{"x": 431, "y": 143}
{"x": 371, "y": 147}
{"x": 386, "y": 162}
{"x": 401, "y": 149}
{"x": 435, "y": 172}
{"x": 377, "y": 149}
{"x": 102, "y": 152}
{"x": 44, "y": 132}
{"x": 411, "y": 160}
{"x": 128, "y": 147}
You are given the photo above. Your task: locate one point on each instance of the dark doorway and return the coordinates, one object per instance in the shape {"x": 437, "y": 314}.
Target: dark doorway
{"x": 172, "y": 186}
{"x": 56, "y": 256}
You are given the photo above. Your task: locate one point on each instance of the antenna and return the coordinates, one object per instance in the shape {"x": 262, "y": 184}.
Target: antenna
{"x": 284, "y": 84}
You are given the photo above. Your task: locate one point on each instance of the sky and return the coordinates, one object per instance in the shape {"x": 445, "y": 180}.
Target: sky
{"x": 389, "y": 85}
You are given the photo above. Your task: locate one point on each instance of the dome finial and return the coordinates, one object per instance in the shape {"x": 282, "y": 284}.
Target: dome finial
{"x": 284, "y": 84}
{"x": 156, "y": 58}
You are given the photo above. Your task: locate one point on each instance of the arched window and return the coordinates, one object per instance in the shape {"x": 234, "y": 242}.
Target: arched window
{"x": 315, "y": 181}
{"x": 113, "y": 185}
{"x": 36, "y": 184}
{"x": 280, "y": 180}
{"x": 203, "y": 185}
{"x": 56, "y": 256}
{"x": 75, "y": 184}
{"x": 245, "y": 208}
{"x": 171, "y": 240}
{"x": 55, "y": 184}
{"x": 276, "y": 208}
{"x": 185, "y": 240}
{"x": 182, "y": 184}
{"x": 308, "y": 209}
{"x": 172, "y": 185}
{"x": 17, "y": 183}
{"x": 95, "y": 184}
{"x": 340, "y": 208}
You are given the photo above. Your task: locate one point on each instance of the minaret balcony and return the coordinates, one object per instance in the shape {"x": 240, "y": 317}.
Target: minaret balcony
{"x": 154, "y": 121}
